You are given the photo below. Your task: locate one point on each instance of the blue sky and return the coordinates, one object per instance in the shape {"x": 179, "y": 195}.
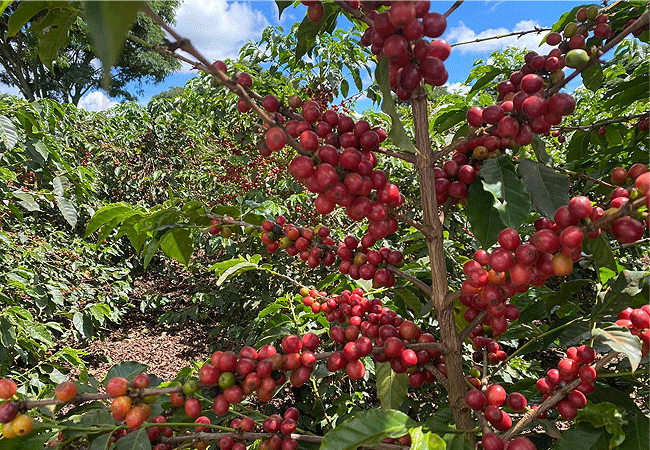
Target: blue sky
{"x": 218, "y": 28}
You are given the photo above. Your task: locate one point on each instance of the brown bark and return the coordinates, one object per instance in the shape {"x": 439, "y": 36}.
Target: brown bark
{"x": 447, "y": 322}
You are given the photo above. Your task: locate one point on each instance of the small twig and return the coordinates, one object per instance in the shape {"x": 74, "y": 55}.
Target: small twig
{"x": 453, "y": 8}
{"x": 427, "y": 232}
{"x": 501, "y": 36}
{"x": 419, "y": 283}
{"x": 629, "y": 244}
{"x": 603, "y": 123}
{"x": 585, "y": 177}
{"x": 445, "y": 209}
{"x": 397, "y": 154}
{"x": 471, "y": 326}
{"x": 354, "y": 12}
{"x": 440, "y": 377}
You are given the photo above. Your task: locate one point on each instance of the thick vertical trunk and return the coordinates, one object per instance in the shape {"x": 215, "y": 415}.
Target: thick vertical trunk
{"x": 443, "y": 307}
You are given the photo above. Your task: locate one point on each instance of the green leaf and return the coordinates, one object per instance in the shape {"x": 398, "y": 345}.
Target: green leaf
{"x": 483, "y": 81}
{"x": 606, "y": 415}
{"x": 592, "y": 77}
{"x": 391, "y": 387}
{"x": 177, "y": 243}
{"x": 421, "y": 440}
{"x": 8, "y": 132}
{"x": 22, "y": 14}
{"x": 83, "y": 324}
{"x": 397, "y": 133}
{"x": 459, "y": 442}
{"x": 26, "y": 201}
{"x": 282, "y": 5}
{"x": 621, "y": 340}
{"x": 60, "y": 184}
{"x": 52, "y": 31}
{"x": 539, "y": 146}
{"x": 627, "y": 285}
{"x": 448, "y": 119}
{"x": 578, "y": 146}
{"x": 513, "y": 202}
{"x": 367, "y": 428}
{"x": 601, "y": 250}
{"x": 548, "y": 189}
{"x": 106, "y": 214}
{"x": 101, "y": 442}
{"x": 68, "y": 210}
{"x": 308, "y": 30}
{"x": 345, "y": 87}
{"x": 235, "y": 270}
{"x": 127, "y": 369}
{"x": 4, "y": 4}
{"x": 483, "y": 217}
{"x": 149, "y": 250}
{"x": 637, "y": 434}
{"x": 108, "y": 24}
{"x": 584, "y": 437}
{"x": 137, "y": 440}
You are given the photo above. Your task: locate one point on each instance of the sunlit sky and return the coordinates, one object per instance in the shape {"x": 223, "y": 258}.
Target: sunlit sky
{"x": 219, "y": 28}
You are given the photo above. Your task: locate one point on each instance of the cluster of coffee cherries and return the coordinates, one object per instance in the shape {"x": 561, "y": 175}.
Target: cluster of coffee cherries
{"x": 312, "y": 245}
{"x": 494, "y": 277}
{"x": 399, "y": 34}
{"x": 637, "y": 178}
{"x": 369, "y": 328}
{"x": 455, "y": 175}
{"x": 14, "y": 423}
{"x": 282, "y": 427}
{"x": 575, "y": 365}
{"x": 490, "y": 401}
{"x": 359, "y": 261}
{"x": 637, "y": 320}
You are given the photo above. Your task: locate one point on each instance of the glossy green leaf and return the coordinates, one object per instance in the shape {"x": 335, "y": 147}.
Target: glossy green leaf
{"x": 548, "y": 189}
{"x": 235, "y": 270}
{"x": 108, "y": 24}
{"x": 459, "y": 442}
{"x": 101, "y": 442}
{"x": 127, "y": 369}
{"x": 105, "y": 214}
{"x": 578, "y": 145}
{"x": 539, "y": 147}
{"x": 367, "y": 428}
{"x": 397, "y": 133}
{"x": 601, "y": 250}
{"x": 26, "y": 200}
{"x": 512, "y": 200}
{"x": 52, "y": 31}
{"x": 487, "y": 78}
{"x": 448, "y": 119}
{"x": 83, "y": 324}
{"x": 584, "y": 437}
{"x": 60, "y": 184}
{"x": 8, "y": 132}
{"x": 137, "y": 440}
{"x": 68, "y": 210}
{"x": 604, "y": 415}
{"x": 592, "y": 77}
{"x": 177, "y": 243}
{"x": 308, "y": 30}
{"x": 421, "y": 440}
{"x": 149, "y": 250}
{"x": 483, "y": 217}
{"x": 391, "y": 387}
{"x": 22, "y": 14}
{"x": 282, "y": 5}
{"x": 619, "y": 296}
{"x": 621, "y": 340}
{"x": 637, "y": 432}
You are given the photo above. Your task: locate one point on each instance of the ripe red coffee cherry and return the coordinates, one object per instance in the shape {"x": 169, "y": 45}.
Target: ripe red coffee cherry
{"x": 493, "y": 414}
{"x": 586, "y": 354}
{"x": 117, "y": 386}
{"x": 271, "y": 103}
{"x": 640, "y": 319}
{"x": 517, "y": 401}
{"x": 8, "y": 412}
{"x": 567, "y": 410}
{"x": 509, "y": 239}
{"x": 627, "y": 230}
{"x": 495, "y": 395}
{"x": 491, "y": 441}
{"x": 475, "y": 116}
{"x": 65, "y": 391}
{"x": 568, "y": 369}
{"x": 193, "y": 407}
{"x": 355, "y": 370}
{"x": 619, "y": 176}
{"x": 580, "y": 207}
{"x": 476, "y": 399}
{"x": 521, "y": 443}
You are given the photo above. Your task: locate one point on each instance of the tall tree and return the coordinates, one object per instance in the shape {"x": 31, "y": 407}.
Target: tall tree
{"x": 46, "y": 52}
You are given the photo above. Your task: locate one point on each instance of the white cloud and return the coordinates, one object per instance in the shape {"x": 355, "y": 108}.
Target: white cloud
{"x": 462, "y": 33}
{"x": 457, "y": 88}
{"x": 219, "y": 29}
{"x": 96, "y": 101}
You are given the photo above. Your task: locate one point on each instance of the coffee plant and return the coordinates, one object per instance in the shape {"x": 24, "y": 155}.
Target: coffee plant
{"x": 474, "y": 275}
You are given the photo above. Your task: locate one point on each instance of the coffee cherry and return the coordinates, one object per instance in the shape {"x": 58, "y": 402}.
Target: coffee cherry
{"x": 8, "y": 412}
{"x": 8, "y": 388}
{"x": 517, "y": 401}
{"x": 66, "y": 391}
{"x": 22, "y": 425}
{"x": 476, "y": 399}
{"x": 495, "y": 395}
{"x": 117, "y": 386}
